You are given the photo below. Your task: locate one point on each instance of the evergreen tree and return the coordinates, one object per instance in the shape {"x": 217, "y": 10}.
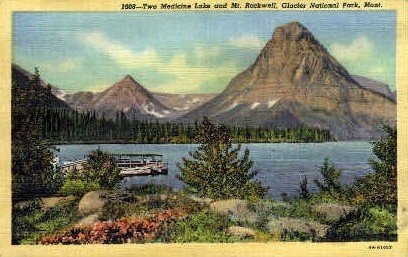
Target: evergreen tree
{"x": 331, "y": 184}
{"x": 32, "y": 171}
{"x": 304, "y": 191}
{"x": 380, "y": 187}
{"x": 215, "y": 169}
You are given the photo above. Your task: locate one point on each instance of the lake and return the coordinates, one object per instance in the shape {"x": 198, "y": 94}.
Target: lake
{"x": 280, "y": 166}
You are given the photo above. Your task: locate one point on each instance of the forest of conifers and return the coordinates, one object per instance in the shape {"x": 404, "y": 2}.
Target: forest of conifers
{"x": 36, "y": 106}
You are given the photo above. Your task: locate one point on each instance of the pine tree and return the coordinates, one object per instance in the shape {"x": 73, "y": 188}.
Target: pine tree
{"x": 215, "y": 170}
{"x": 380, "y": 187}
{"x": 33, "y": 174}
{"x": 304, "y": 191}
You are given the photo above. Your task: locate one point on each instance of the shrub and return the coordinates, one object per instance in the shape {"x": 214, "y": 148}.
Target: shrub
{"x": 216, "y": 170}
{"x": 78, "y": 187}
{"x": 30, "y": 221}
{"x": 200, "y": 227}
{"x": 136, "y": 230}
{"x": 366, "y": 224}
{"x": 149, "y": 189}
{"x": 99, "y": 168}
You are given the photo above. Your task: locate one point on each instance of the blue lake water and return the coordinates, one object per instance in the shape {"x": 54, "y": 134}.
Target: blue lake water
{"x": 280, "y": 166}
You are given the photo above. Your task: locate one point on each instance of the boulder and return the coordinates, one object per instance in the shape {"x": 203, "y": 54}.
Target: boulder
{"x": 92, "y": 202}
{"x": 333, "y": 212}
{"x": 279, "y": 225}
{"x": 236, "y": 209}
{"x": 51, "y": 202}
{"x": 241, "y": 232}
{"x": 89, "y": 220}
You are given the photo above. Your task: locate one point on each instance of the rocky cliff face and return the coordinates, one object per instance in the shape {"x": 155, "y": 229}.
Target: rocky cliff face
{"x": 295, "y": 81}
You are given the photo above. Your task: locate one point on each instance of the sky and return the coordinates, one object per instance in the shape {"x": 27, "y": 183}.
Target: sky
{"x": 188, "y": 52}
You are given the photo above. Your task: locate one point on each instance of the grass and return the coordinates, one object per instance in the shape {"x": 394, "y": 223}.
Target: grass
{"x": 32, "y": 221}
{"x": 202, "y": 227}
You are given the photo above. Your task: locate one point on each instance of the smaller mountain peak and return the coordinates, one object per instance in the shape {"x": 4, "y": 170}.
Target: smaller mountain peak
{"x": 293, "y": 31}
{"x": 129, "y": 77}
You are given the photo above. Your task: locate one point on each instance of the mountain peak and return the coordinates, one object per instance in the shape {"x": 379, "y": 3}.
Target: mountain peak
{"x": 129, "y": 78}
{"x": 293, "y": 31}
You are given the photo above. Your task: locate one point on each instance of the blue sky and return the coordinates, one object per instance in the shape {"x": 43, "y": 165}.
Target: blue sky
{"x": 191, "y": 52}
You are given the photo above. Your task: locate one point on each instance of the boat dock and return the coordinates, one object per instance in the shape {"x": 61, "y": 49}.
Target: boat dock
{"x": 132, "y": 164}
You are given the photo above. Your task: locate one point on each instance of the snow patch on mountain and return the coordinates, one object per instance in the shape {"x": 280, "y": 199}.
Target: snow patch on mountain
{"x": 254, "y": 105}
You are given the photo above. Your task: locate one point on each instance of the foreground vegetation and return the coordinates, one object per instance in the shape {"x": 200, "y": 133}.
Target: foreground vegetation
{"x": 222, "y": 201}
{"x": 205, "y": 211}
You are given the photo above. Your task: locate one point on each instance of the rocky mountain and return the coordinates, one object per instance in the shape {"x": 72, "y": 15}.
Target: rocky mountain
{"x": 126, "y": 95}
{"x": 134, "y": 100}
{"x": 295, "y": 81}
{"x": 376, "y": 86}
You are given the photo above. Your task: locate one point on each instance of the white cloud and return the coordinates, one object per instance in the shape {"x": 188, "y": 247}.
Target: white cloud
{"x": 247, "y": 41}
{"x": 63, "y": 66}
{"x": 360, "y": 48}
{"x": 119, "y": 52}
{"x": 185, "y": 76}
{"x": 204, "y": 53}
{"x": 68, "y": 65}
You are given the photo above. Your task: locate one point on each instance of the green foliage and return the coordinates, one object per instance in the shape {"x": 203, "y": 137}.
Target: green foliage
{"x": 304, "y": 192}
{"x": 100, "y": 168}
{"x": 203, "y": 227}
{"x": 296, "y": 236}
{"x": 365, "y": 224}
{"x": 216, "y": 170}
{"x": 30, "y": 221}
{"x": 136, "y": 202}
{"x": 380, "y": 187}
{"x": 33, "y": 174}
{"x": 149, "y": 189}
{"x": 331, "y": 184}
{"x": 78, "y": 187}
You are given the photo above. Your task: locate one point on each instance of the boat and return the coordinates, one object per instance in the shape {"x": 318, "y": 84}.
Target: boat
{"x": 132, "y": 164}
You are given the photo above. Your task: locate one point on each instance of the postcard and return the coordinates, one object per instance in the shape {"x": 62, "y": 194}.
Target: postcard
{"x": 203, "y": 128}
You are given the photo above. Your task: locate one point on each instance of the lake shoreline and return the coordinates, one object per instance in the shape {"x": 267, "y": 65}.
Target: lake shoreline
{"x": 280, "y": 166}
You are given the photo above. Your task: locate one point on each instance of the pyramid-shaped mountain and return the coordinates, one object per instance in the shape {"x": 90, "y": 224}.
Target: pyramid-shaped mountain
{"x": 126, "y": 96}
{"x": 295, "y": 81}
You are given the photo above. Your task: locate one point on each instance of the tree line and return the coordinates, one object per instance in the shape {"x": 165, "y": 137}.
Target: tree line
{"x": 64, "y": 126}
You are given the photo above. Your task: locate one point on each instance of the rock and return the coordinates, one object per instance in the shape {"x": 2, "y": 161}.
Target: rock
{"x": 89, "y": 220}
{"x": 51, "y": 202}
{"x": 279, "y": 225}
{"x": 333, "y": 212}
{"x": 241, "y": 232}
{"x": 235, "y": 208}
{"x": 91, "y": 202}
